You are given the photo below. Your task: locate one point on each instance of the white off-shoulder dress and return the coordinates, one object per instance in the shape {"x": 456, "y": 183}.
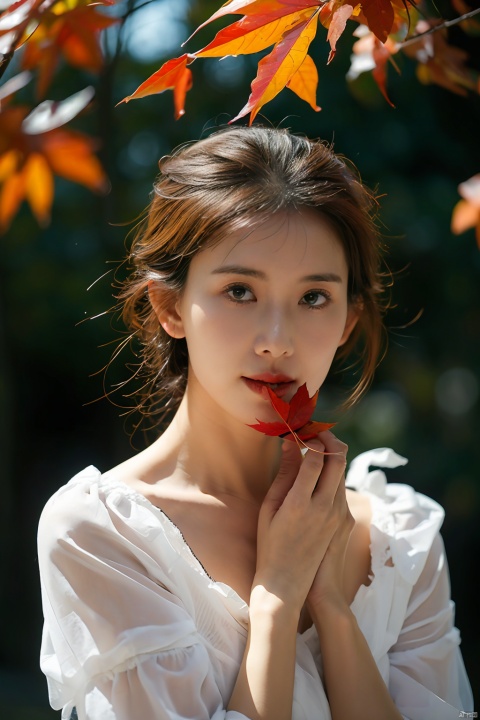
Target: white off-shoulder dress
{"x": 135, "y": 628}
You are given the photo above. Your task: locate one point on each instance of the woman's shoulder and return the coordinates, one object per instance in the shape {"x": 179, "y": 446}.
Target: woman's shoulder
{"x": 367, "y": 476}
{"x": 94, "y": 507}
{"x": 73, "y": 502}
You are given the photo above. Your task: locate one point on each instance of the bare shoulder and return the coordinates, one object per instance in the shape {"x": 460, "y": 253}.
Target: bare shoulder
{"x": 358, "y": 559}
{"x": 360, "y": 507}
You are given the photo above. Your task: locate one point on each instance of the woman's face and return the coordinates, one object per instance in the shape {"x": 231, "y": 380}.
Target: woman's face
{"x": 266, "y": 307}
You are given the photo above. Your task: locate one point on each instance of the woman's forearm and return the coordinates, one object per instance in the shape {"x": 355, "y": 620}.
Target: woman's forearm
{"x": 354, "y": 686}
{"x": 264, "y": 687}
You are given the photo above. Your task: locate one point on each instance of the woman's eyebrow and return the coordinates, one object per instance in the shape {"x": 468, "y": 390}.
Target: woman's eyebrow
{"x": 250, "y": 272}
{"x": 239, "y": 270}
{"x": 323, "y": 277}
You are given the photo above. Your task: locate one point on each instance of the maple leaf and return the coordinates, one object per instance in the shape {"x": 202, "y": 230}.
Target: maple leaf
{"x": 295, "y": 423}
{"x": 440, "y": 62}
{"x": 33, "y": 148}
{"x": 369, "y": 54}
{"x": 174, "y": 74}
{"x": 470, "y": 25}
{"x": 252, "y": 34}
{"x": 290, "y": 26}
{"x": 270, "y": 8}
{"x": 249, "y": 35}
{"x": 379, "y": 15}
{"x": 305, "y": 81}
{"x": 466, "y": 213}
{"x": 277, "y": 68}
{"x": 71, "y": 32}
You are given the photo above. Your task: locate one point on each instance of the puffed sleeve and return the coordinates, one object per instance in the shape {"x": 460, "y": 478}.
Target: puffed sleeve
{"x": 418, "y": 649}
{"x": 427, "y": 674}
{"x": 117, "y": 643}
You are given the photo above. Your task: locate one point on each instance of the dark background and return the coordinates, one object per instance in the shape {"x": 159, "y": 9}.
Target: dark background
{"x": 424, "y": 402}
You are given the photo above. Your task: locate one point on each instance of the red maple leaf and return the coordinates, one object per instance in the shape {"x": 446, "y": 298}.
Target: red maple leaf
{"x": 295, "y": 423}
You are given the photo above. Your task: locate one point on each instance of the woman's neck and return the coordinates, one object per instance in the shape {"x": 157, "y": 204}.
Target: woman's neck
{"x": 218, "y": 456}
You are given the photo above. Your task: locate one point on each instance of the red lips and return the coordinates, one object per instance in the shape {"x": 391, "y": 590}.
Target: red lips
{"x": 280, "y": 384}
{"x": 271, "y": 378}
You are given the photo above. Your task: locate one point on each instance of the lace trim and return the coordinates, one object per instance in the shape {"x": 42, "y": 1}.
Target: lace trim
{"x": 108, "y": 481}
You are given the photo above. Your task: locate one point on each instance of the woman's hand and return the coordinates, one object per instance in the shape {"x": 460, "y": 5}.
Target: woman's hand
{"x": 304, "y": 510}
{"x": 327, "y": 589}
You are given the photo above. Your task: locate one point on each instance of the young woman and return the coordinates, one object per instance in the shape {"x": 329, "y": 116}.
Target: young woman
{"x": 221, "y": 573}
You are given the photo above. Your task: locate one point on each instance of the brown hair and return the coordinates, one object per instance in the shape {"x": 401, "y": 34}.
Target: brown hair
{"x": 235, "y": 177}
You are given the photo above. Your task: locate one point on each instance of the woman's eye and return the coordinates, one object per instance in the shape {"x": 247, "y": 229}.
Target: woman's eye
{"x": 314, "y": 299}
{"x": 239, "y": 293}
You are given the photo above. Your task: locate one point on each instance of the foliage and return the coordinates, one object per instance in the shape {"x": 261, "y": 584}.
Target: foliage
{"x": 32, "y": 146}
{"x": 384, "y": 28}
{"x": 50, "y": 31}
{"x": 466, "y": 213}
{"x": 294, "y": 423}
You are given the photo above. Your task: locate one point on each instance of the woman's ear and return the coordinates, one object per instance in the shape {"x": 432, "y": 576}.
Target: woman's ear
{"x": 164, "y": 304}
{"x": 353, "y": 314}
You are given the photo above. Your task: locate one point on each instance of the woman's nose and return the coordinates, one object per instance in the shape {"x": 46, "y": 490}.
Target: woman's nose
{"x": 274, "y": 334}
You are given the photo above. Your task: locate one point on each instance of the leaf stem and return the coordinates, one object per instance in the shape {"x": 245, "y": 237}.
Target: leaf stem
{"x": 436, "y": 28}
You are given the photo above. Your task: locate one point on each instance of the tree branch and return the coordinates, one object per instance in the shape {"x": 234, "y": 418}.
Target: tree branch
{"x": 36, "y": 11}
{"x": 435, "y": 28}
{"x": 5, "y": 61}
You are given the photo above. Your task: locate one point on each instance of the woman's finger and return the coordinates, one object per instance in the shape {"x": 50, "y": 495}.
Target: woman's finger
{"x": 290, "y": 463}
{"x": 333, "y": 471}
{"x": 310, "y": 470}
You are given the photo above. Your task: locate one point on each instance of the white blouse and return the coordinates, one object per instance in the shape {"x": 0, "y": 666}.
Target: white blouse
{"x": 135, "y": 628}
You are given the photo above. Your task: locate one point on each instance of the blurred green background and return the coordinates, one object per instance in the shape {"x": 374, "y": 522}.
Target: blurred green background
{"x": 424, "y": 402}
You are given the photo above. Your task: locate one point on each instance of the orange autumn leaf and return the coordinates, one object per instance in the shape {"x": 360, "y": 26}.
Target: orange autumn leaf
{"x": 39, "y": 189}
{"x": 11, "y": 119}
{"x": 441, "y": 63}
{"x": 33, "y": 147}
{"x": 9, "y": 163}
{"x": 465, "y": 216}
{"x": 12, "y": 193}
{"x": 21, "y": 20}
{"x": 70, "y": 155}
{"x": 305, "y": 82}
{"x": 277, "y": 22}
{"x": 381, "y": 56}
{"x": 278, "y": 67}
{"x": 269, "y": 8}
{"x": 337, "y": 25}
{"x": 44, "y": 61}
{"x": 369, "y": 54}
{"x": 79, "y": 37}
{"x": 252, "y": 34}
{"x": 28, "y": 174}
{"x": 472, "y": 24}
{"x": 182, "y": 86}
{"x": 466, "y": 213}
{"x": 71, "y": 33}
{"x": 174, "y": 73}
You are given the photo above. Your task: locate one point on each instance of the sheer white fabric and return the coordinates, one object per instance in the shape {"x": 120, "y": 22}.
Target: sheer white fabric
{"x": 135, "y": 628}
